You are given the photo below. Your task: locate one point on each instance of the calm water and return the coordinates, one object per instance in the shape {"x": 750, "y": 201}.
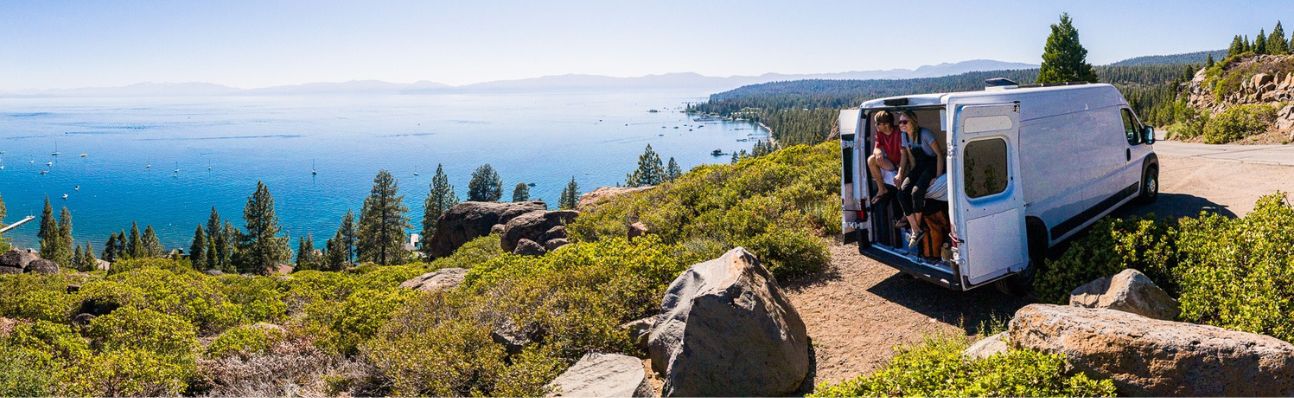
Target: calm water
{"x": 223, "y": 145}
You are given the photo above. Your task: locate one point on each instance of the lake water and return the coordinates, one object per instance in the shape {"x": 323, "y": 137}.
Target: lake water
{"x": 223, "y": 145}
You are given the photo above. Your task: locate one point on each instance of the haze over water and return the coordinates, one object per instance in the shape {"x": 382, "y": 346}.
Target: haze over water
{"x": 541, "y": 138}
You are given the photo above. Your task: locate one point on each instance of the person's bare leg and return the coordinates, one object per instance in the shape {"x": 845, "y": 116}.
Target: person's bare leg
{"x": 874, "y": 166}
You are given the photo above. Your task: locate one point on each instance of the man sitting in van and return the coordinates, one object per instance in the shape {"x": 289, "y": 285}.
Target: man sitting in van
{"x": 886, "y": 156}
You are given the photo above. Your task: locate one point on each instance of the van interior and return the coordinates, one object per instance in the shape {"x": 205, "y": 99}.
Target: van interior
{"x": 935, "y": 248}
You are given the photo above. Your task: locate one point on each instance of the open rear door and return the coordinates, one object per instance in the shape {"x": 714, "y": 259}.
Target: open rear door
{"x": 986, "y": 198}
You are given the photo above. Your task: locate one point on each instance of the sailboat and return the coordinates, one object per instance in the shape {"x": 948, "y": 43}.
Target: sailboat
{"x": 313, "y": 170}
{"x": 176, "y": 172}
{"x": 64, "y": 196}
{"x": 415, "y": 170}
{"x": 55, "y": 153}
{"x": 83, "y": 154}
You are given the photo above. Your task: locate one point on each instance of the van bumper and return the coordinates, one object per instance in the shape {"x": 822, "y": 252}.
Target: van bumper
{"x": 921, "y": 271}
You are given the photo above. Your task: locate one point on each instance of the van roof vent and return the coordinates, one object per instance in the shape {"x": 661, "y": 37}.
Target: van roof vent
{"x": 999, "y": 83}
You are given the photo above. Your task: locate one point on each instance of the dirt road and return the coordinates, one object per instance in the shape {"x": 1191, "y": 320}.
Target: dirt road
{"x": 860, "y": 309}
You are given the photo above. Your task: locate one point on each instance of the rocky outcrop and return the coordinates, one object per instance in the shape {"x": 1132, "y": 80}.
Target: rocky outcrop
{"x": 1127, "y": 291}
{"x": 470, "y": 220}
{"x": 639, "y": 330}
{"x": 727, "y": 329}
{"x": 102, "y": 265}
{"x": 537, "y": 226}
{"x": 434, "y": 281}
{"x": 527, "y": 247}
{"x": 603, "y": 375}
{"x": 592, "y": 199}
{"x": 15, "y": 261}
{"x": 987, "y": 347}
{"x": 1146, "y": 356}
{"x": 42, "y": 266}
{"x": 637, "y": 229}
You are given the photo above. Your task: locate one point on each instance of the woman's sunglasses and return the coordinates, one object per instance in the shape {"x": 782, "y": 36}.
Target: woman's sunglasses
{"x": 904, "y": 122}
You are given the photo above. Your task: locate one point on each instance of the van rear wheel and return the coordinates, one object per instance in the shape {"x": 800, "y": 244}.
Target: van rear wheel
{"x": 1020, "y": 284}
{"x": 1149, "y": 185}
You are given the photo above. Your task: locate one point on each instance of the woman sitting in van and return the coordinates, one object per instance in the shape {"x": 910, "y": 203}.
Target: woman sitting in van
{"x": 922, "y": 161}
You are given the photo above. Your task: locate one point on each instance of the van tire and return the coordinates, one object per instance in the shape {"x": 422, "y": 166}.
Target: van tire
{"x": 1019, "y": 284}
{"x": 1149, "y": 184}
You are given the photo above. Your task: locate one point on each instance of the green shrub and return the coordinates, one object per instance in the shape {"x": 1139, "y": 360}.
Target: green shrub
{"x": 167, "y": 335}
{"x": 127, "y": 372}
{"x": 1238, "y": 122}
{"x": 260, "y": 298}
{"x": 306, "y": 288}
{"x": 937, "y": 368}
{"x": 475, "y": 251}
{"x": 59, "y": 341}
{"x": 33, "y": 296}
{"x": 25, "y": 372}
{"x": 105, "y": 295}
{"x": 244, "y": 341}
{"x": 454, "y": 357}
{"x": 176, "y": 266}
{"x": 179, "y": 290}
{"x": 1110, "y": 246}
{"x": 1239, "y": 273}
{"x": 789, "y": 194}
{"x": 339, "y": 327}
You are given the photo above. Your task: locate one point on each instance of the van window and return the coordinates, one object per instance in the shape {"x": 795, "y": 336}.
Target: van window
{"x": 1130, "y": 127}
{"x": 985, "y": 171}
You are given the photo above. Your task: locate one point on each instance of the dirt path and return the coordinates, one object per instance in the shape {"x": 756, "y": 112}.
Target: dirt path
{"x": 860, "y": 309}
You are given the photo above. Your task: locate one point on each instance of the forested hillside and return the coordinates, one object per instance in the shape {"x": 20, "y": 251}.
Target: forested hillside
{"x": 1198, "y": 57}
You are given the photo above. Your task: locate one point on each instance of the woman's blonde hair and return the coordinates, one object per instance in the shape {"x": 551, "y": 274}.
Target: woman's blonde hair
{"x": 913, "y": 127}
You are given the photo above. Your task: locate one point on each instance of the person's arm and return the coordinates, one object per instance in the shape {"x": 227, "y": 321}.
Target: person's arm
{"x": 938, "y": 147}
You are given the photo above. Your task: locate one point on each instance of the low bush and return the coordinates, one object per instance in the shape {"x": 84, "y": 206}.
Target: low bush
{"x": 25, "y": 372}
{"x": 179, "y": 290}
{"x": 1110, "y": 246}
{"x": 127, "y": 372}
{"x": 244, "y": 341}
{"x": 1239, "y": 121}
{"x": 33, "y": 296}
{"x": 937, "y": 368}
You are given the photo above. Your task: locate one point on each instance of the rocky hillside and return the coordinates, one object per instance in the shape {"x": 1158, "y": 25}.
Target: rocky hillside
{"x": 1245, "y": 96}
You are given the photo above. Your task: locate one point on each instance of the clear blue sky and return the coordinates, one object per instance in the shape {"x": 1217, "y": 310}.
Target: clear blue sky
{"x": 62, "y": 44}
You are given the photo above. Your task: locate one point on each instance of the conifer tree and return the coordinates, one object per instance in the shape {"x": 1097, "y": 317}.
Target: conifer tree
{"x": 262, "y": 248}
{"x": 1247, "y": 46}
{"x": 198, "y": 250}
{"x": 349, "y": 235}
{"x": 76, "y": 259}
{"x": 335, "y": 253}
{"x": 485, "y": 186}
{"x": 152, "y": 245}
{"x": 1260, "y": 43}
{"x": 48, "y": 233}
{"x": 1208, "y": 62}
{"x": 135, "y": 244}
{"x": 521, "y": 192}
{"x": 217, "y": 242}
{"x": 382, "y": 222}
{"x": 439, "y": 200}
{"x": 570, "y": 196}
{"x": 1237, "y": 46}
{"x": 672, "y": 171}
{"x": 88, "y": 262}
{"x": 229, "y": 259}
{"x": 63, "y": 256}
{"x": 120, "y": 250}
{"x": 4, "y": 245}
{"x": 110, "y": 248}
{"x": 306, "y": 253}
{"x": 1063, "y": 57}
{"x": 1276, "y": 43}
{"x": 735, "y": 157}
{"x": 650, "y": 171}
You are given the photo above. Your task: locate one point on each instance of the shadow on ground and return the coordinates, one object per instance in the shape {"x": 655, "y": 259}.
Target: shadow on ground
{"x": 971, "y": 310}
{"x": 1173, "y": 206}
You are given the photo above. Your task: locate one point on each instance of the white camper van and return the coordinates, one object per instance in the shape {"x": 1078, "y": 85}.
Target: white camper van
{"x": 1027, "y": 167}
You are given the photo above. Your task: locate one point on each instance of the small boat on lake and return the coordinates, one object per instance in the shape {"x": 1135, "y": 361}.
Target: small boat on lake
{"x": 64, "y": 196}
{"x": 716, "y": 152}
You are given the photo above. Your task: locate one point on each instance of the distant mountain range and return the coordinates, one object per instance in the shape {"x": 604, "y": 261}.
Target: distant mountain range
{"x": 570, "y": 82}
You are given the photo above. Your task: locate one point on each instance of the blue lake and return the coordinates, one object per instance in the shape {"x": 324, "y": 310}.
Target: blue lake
{"x": 222, "y": 145}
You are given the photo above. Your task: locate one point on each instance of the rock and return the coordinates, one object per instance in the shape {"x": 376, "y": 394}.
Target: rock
{"x": 527, "y": 247}
{"x": 470, "y": 220}
{"x": 10, "y": 270}
{"x": 42, "y": 266}
{"x": 1260, "y": 79}
{"x": 639, "y": 330}
{"x": 557, "y": 232}
{"x": 592, "y": 199}
{"x": 437, "y": 280}
{"x": 213, "y": 272}
{"x": 553, "y": 244}
{"x": 102, "y": 265}
{"x": 727, "y": 329}
{"x": 988, "y": 346}
{"x": 1127, "y": 291}
{"x": 1146, "y": 356}
{"x": 533, "y": 226}
{"x": 496, "y": 229}
{"x": 83, "y": 318}
{"x": 268, "y": 327}
{"x": 7, "y": 325}
{"x": 637, "y": 229}
{"x": 72, "y": 289}
{"x": 602, "y": 375}
{"x": 512, "y": 337}
{"x": 19, "y": 259}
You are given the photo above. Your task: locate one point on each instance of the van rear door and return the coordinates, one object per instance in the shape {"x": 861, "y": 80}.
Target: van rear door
{"x": 853, "y": 179}
{"x": 986, "y": 198}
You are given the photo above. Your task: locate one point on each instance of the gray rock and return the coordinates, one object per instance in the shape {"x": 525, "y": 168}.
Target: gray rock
{"x": 637, "y": 229}
{"x": 557, "y": 232}
{"x": 553, "y": 244}
{"x": 19, "y": 259}
{"x": 42, "y": 266}
{"x": 10, "y": 270}
{"x": 514, "y": 338}
{"x": 83, "y": 319}
{"x": 496, "y": 229}
{"x": 437, "y": 280}
{"x": 591, "y": 200}
{"x": 1145, "y": 356}
{"x": 533, "y": 226}
{"x": 727, "y": 329}
{"x": 1128, "y": 291}
{"x": 603, "y": 375}
{"x": 527, "y": 247}
{"x": 213, "y": 272}
{"x": 470, "y": 220}
{"x": 102, "y": 265}
{"x": 639, "y": 330}
{"x": 987, "y": 347}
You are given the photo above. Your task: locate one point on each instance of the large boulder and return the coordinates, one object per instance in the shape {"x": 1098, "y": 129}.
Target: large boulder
{"x": 536, "y": 226}
{"x": 592, "y": 199}
{"x": 1127, "y": 291}
{"x": 42, "y": 266}
{"x": 1146, "y": 356}
{"x": 19, "y": 259}
{"x": 527, "y": 247}
{"x": 603, "y": 375}
{"x": 727, "y": 329}
{"x": 987, "y": 347}
{"x": 437, "y": 280}
{"x": 470, "y": 220}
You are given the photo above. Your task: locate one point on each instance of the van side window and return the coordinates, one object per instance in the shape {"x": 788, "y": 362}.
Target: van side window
{"x": 985, "y": 167}
{"x": 1130, "y": 127}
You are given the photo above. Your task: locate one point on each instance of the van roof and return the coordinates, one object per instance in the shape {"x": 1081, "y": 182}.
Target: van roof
{"x": 1040, "y": 100}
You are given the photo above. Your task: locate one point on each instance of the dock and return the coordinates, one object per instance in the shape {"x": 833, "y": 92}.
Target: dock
{"x": 6, "y": 228}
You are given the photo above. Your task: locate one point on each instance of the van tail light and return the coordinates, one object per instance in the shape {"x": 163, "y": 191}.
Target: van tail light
{"x": 861, "y": 215}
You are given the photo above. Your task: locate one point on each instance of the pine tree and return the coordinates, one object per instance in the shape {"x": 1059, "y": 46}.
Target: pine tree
{"x": 672, "y": 171}
{"x": 63, "y": 256}
{"x": 110, "y": 248}
{"x": 229, "y": 257}
{"x": 135, "y": 245}
{"x": 735, "y": 158}
{"x": 120, "y": 250}
{"x": 4, "y": 245}
{"x": 198, "y": 250}
{"x": 1063, "y": 57}
{"x": 650, "y": 171}
{"x": 1276, "y": 43}
{"x": 335, "y": 256}
{"x": 152, "y": 245}
{"x": 349, "y": 235}
{"x": 570, "y": 196}
{"x": 521, "y": 192}
{"x": 1237, "y": 47}
{"x": 76, "y": 259}
{"x": 1260, "y": 43}
{"x": 88, "y": 262}
{"x": 306, "y": 254}
{"x": 1208, "y": 62}
{"x": 439, "y": 200}
{"x": 48, "y": 233}
{"x": 1247, "y": 46}
{"x": 262, "y": 248}
{"x": 382, "y": 222}
{"x": 485, "y": 186}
